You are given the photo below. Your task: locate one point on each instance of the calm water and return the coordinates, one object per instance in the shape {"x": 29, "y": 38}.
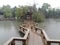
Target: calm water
{"x": 7, "y": 30}
{"x": 52, "y": 28}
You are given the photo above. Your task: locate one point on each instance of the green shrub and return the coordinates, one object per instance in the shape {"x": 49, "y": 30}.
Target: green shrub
{"x": 38, "y": 17}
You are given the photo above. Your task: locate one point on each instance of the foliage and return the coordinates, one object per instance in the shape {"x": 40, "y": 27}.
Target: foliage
{"x": 18, "y": 12}
{"x": 46, "y": 11}
{"x": 7, "y": 11}
{"x": 21, "y": 11}
{"x": 14, "y": 12}
{"x": 38, "y": 17}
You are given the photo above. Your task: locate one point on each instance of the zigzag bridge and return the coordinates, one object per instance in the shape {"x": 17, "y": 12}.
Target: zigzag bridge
{"x": 33, "y": 35}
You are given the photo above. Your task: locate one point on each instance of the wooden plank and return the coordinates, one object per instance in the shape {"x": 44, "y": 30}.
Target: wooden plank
{"x": 35, "y": 39}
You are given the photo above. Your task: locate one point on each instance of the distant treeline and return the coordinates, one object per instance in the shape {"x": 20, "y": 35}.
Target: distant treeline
{"x": 38, "y": 14}
{"x": 50, "y": 12}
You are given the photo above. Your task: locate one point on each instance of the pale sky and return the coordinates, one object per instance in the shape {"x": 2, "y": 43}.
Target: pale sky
{"x": 12, "y": 3}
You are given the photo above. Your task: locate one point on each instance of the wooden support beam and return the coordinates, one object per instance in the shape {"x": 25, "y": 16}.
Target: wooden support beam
{"x": 48, "y": 43}
{"x": 59, "y": 43}
{"x": 24, "y": 42}
{"x": 13, "y": 42}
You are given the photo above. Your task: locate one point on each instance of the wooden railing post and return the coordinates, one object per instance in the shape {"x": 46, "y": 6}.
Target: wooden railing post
{"x": 28, "y": 38}
{"x": 48, "y": 43}
{"x": 36, "y": 29}
{"x": 59, "y": 43}
{"x": 24, "y": 42}
{"x": 13, "y": 42}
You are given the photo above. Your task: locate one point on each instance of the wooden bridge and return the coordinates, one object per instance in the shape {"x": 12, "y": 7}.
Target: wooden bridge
{"x": 32, "y": 36}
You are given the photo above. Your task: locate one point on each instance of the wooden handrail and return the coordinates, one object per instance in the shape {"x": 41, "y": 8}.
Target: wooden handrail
{"x": 43, "y": 32}
{"x": 45, "y": 35}
{"x": 46, "y": 38}
{"x": 54, "y": 41}
{"x": 19, "y": 38}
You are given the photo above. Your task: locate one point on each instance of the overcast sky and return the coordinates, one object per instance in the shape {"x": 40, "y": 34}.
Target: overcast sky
{"x": 12, "y": 3}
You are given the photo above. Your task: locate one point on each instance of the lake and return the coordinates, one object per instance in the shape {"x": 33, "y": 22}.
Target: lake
{"x": 7, "y": 30}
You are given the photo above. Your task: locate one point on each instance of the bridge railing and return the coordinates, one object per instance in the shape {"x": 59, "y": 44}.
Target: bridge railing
{"x": 46, "y": 40}
{"x": 23, "y": 39}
